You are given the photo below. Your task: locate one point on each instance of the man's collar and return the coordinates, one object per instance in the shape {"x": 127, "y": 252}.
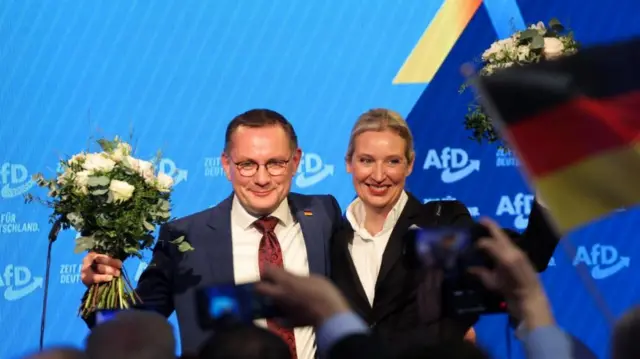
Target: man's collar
{"x": 245, "y": 219}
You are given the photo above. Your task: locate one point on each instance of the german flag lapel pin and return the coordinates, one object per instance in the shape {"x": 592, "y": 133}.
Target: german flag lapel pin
{"x": 308, "y": 213}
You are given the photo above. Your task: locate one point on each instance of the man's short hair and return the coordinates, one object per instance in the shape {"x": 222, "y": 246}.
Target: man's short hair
{"x": 260, "y": 118}
{"x": 246, "y": 342}
{"x": 132, "y": 334}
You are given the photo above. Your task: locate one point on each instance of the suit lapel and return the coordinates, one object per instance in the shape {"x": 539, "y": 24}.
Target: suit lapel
{"x": 311, "y": 232}
{"x": 342, "y": 242}
{"x": 220, "y": 252}
{"x": 396, "y": 246}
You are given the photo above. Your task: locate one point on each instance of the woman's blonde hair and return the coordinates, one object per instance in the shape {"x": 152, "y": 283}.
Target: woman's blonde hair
{"x": 381, "y": 119}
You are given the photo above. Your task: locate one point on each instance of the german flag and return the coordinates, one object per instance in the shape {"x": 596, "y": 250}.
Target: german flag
{"x": 574, "y": 123}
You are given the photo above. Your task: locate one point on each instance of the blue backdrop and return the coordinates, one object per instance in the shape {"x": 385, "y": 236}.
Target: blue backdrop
{"x": 177, "y": 72}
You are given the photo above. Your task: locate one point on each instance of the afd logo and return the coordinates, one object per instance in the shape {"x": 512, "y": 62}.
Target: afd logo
{"x": 312, "y": 170}
{"x": 474, "y": 211}
{"x": 518, "y": 206}
{"x": 168, "y": 167}
{"x": 454, "y": 163}
{"x": 18, "y": 282}
{"x": 604, "y": 260}
{"x": 15, "y": 180}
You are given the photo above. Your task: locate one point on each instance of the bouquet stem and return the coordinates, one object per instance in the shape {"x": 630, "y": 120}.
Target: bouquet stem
{"x": 114, "y": 295}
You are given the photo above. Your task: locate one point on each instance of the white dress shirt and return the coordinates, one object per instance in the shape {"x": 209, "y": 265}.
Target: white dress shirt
{"x": 367, "y": 249}
{"x": 245, "y": 239}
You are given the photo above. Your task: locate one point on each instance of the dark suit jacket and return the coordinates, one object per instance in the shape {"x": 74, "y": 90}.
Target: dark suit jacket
{"x": 170, "y": 280}
{"x": 396, "y": 316}
{"x": 358, "y": 346}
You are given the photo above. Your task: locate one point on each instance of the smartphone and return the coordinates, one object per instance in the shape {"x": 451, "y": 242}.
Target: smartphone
{"x": 222, "y": 304}
{"x": 450, "y": 248}
{"x": 105, "y": 315}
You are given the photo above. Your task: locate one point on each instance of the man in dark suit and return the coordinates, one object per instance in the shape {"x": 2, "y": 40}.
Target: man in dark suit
{"x": 407, "y": 306}
{"x": 261, "y": 224}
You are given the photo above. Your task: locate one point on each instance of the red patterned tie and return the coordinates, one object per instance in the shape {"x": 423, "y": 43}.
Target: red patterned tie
{"x": 270, "y": 253}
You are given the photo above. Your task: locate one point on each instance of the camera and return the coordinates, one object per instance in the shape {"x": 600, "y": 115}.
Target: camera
{"x": 453, "y": 251}
{"x": 224, "y": 305}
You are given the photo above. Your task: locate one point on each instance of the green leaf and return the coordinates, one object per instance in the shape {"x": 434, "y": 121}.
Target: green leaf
{"x": 185, "y": 247}
{"x": 528, "y": 34}
{"x": 177, "y": 240}
{"x": 130, "y": 250}
{"x": 98, "y": 181}
{"x": 555, "y": 25}
{"x": 537, "y": 43}
{"x": 164, "y": 205}
{"x": 148, "y": 226}
{"x": 83, "y": 244}
{"x": 99, "y": 192}
{"x": 106, "y": 145}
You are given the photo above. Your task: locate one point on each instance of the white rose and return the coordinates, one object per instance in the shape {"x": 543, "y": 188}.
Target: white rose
{"x": 541, "y": 28}
{"x": 553, "y": 48}
{"x": 164, "y": 182}
{"x": 97, "y": 162}
{"x": 490, "y": 52}
{"x": 146, "y": 171}
{"x": 120, "y": 152}
{"x": 77, "y": 158}
{"x": 145, "y": 166}
{"x": 121, "y": 190}
{"x": 124, "y": 148}
{"x": 81, "y": 180}
{"x": 132, "y": 163}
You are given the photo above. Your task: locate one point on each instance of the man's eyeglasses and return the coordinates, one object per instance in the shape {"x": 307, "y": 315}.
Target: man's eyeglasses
{"x": 250, "y": 168}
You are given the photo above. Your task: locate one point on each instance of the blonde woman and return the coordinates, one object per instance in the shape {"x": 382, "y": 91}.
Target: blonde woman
{"x": 368, "y": 256}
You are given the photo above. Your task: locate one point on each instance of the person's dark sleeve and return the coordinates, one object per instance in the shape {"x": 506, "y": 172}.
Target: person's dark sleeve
{"x": 539, "y": 240}
{"x": 337, "y": 222}
{"x": 156, "y": 282}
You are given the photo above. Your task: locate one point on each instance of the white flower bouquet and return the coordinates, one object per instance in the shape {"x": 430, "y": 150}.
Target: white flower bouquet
{"x": 535, "y": 44}
{"x": 115, "y": 202}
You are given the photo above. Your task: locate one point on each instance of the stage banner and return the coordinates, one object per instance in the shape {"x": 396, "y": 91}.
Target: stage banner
{"x": 176, "y": 73}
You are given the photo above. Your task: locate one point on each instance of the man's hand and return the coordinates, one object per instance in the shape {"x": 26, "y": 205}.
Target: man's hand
{"x": 99, "y": 268}
{"x": 307, "y": 301}
{"x": 514, "y": 277}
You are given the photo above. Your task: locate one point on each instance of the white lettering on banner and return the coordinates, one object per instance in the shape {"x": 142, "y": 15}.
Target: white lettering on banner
{"x": 312, "y": 170}
{"x": 475, "y": 211}
{"x": 454, "y": 163}
{"x": 15, "y": 180}
{"x": 506, "y": 159}
{"x": 18, "y": 282}
{"x": 519, "y": 207}
{"x": 9, "y": 225}
{"x": 70, "y": 273}
{"x": 168, "y": 167}
{"x": 552, "y": 262}
{"x": 447, "y": 198}
{"x": 213, "y": 167}
{"x": 604, "y": 260}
